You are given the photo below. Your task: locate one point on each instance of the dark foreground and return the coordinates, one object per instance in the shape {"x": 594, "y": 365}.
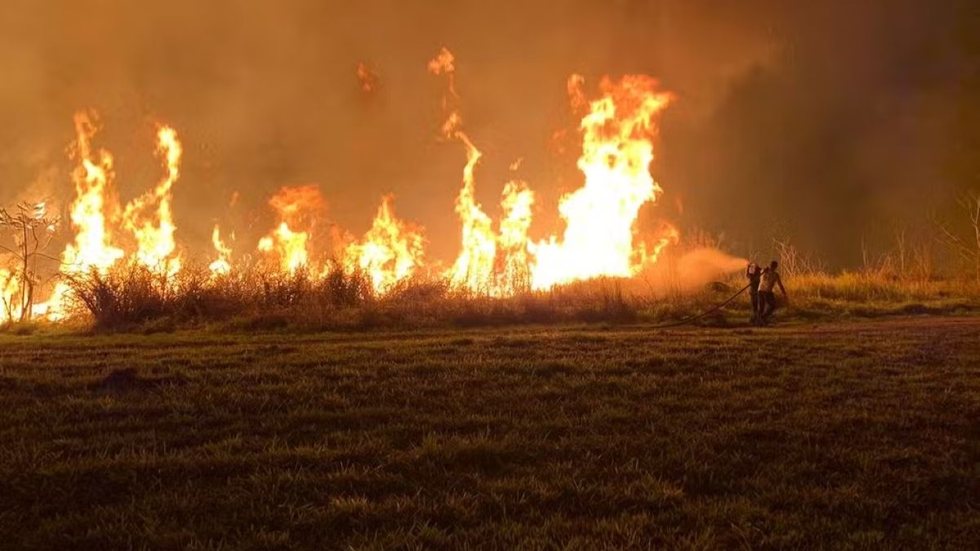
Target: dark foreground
{"x": 862, "y": 435}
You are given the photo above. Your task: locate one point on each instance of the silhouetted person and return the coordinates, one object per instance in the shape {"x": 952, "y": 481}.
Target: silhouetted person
{"x": 754, "y": 274}
{"x": 767, "y": 296}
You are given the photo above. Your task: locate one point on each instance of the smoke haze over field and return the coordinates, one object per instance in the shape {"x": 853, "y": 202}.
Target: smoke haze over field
{"x": 822, "y": 122}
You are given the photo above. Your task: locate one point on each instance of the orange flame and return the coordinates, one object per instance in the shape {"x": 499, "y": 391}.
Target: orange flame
{"x": 93, "y": 203}
{"x": 512, "y": 256}
{"x": 390, "y": 251}
{"x": 600, "y": 216}
{"x": 221, "y": 265}
{"x": 600, "y": 235}
{"x": 473, "y": 269}
{"x": 155, "y": 232}
{"x": 10, "y": 307}
{"x": 297, "y": 207}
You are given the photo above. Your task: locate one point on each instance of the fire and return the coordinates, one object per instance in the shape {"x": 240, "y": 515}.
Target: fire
{"x": 90, "y": 213}
{"x": 390, "y": 251}
{"x": 473, "y": 269}
{"x": 600, "y": 235}
{"x": 512, "y": 266}
{"x": 297, "y": 206}
{"x": 221, "y": 265}
{"x": 94, "y": 203}
{"x": 10, "y": 307}
{"x": 600, "y": 216}
{"x": 154, "y": 230}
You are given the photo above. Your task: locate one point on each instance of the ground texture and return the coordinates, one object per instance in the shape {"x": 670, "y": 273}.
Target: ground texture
{"x": 862, "y": 435}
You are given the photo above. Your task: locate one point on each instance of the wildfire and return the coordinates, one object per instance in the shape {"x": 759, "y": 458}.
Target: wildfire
{"x": 390, "y": 251}
{"x": 600, "y": 216}
{"x": 600, "y": 236}
{"x": 154, "y": 229}
{"x": 297, "y": 206}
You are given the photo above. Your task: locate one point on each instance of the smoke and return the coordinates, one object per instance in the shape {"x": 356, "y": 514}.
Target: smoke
{"x": 689, "y": 269}
{"x": 700, "y": 266}
{"x": 815, "y": 121}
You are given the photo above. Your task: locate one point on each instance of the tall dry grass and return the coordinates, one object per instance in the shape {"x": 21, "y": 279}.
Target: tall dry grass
{"x": 255, "y": 298}
{"x": 258, "y": 299}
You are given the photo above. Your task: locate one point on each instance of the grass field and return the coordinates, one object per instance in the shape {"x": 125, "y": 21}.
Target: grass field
{"x": 864, "y": 434}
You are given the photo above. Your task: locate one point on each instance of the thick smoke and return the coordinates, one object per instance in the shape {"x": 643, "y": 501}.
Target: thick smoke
{"x": 816, "y": 121}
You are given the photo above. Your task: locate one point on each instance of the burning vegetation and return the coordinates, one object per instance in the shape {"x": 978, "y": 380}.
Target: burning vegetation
{"x": 125, "y": 261}
{"x": 498, "y": 258}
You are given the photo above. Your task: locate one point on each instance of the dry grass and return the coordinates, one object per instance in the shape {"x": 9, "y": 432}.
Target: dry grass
{"x": 133, "y": 299}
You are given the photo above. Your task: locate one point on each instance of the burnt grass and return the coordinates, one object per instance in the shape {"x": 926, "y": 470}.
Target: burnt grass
{"x": 859, "y": 435}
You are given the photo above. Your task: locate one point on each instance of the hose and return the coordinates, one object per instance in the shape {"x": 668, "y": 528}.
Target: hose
{"x": 712, "y": 310}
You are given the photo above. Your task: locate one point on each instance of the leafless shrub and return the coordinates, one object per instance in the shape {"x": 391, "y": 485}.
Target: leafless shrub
{"x": 793, "y": 262}
{"x": 965, "y": 242}
{"x": 32, "y": 231}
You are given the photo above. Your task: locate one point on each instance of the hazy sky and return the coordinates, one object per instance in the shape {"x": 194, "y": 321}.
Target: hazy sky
{"x": 825, "y": 122}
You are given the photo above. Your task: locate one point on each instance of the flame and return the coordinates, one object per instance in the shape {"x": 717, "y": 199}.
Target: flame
{"x": 10, "y": 307}
{"x": 599, "y": 237}
{"x": 221, "y": 265}
{"x": 90, "y": 212}
{"x": 473, "y": 269}
{"x": 155, "y": 232}
{"x": 512, "y": 263}
{"x": 600, "y": 216}
{"x": 290, "y": 245}
{"x": 94, "y": 203}
{"x": 297, "y": 206}
{"x": 390, "y": 251}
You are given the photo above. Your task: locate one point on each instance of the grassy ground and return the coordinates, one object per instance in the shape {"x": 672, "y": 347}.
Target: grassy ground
{"x": 861, "y": 435}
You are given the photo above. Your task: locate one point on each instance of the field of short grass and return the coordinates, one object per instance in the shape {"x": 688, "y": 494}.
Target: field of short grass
{"x": 864, "y": 435}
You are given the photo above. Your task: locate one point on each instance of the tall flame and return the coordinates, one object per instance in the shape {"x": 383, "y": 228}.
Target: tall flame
{"x": 600, "y": 216}
{"x": 390, "y": 251}
{"x": 154, "y": 229}
{"x": 90, "y": 212}
{"x": 94, "y": 203}
{"x": 473, "y": 268}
